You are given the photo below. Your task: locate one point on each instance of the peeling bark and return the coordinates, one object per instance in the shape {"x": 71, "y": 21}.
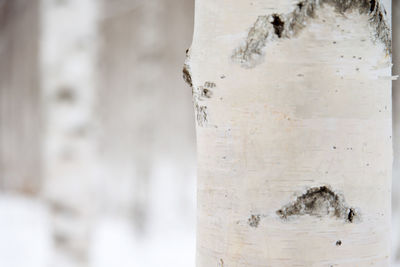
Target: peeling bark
{"x": 269, "y": 28}
{"x": 187, "y": 77}
{"x": 199, "y": 93}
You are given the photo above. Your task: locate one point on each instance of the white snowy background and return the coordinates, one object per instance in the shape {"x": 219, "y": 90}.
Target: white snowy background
{"x": 115, "y": 182}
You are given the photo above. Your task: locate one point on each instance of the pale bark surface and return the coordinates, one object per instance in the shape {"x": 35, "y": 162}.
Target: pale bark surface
{"x": 396, "y": 134}
{"x": 294, "y": 132}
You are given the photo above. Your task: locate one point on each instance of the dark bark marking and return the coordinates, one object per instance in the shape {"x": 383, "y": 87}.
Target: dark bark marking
{"x": 269, "y": 27}
{"x": 201, "y": 112}
{"x": 254, "y": 220}
{"x": 187, "y": 77}
{"x": 278, "y": 25}
{"x": 321, "y": 202}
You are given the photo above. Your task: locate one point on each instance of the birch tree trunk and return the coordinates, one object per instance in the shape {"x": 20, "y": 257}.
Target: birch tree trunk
{"x": 131, "y": 100}
{"x": 294, "y": 132}
{"x": 68, "y": 59}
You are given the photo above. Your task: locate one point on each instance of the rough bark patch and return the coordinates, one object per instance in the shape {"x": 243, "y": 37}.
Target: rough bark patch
{"x": 254, "y": 220}
{"x": 187, "y": 77}
{"x": 320, "y": 202}
{"x": 201, "y": 115}
{"x": 205, "y": 91}
{"x": 199, "y": 93}
{"x": 268, "y": 28}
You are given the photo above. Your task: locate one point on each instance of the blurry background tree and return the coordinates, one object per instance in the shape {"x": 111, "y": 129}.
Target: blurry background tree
{"x": 20, "y": 138}
{"x": 97, "y": 162}
{"x": 96, "y": 126}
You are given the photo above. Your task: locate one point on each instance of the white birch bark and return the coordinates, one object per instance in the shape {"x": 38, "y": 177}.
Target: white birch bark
{"x": 68, "y": 64}
{"x": 294, "y": 132}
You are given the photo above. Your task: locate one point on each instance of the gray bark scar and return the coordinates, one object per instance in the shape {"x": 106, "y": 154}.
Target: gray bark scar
{"x": 254, "y": 220}
{"x": 268, "y": 28}
{"x": 199, "y": 93}
{"x": 320, "y": 202}
{"x": 187, "y": 77}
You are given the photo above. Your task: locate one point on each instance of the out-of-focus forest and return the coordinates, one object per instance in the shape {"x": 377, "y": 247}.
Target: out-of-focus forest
{"x": 97, "y": 142}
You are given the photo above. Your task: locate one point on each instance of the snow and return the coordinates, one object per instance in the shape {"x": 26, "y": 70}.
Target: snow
{"x": 168, "y": 239}
{"x": 25, "y": 240}
{"x": 24, "y": 232}
{"x": 115, "y": 244}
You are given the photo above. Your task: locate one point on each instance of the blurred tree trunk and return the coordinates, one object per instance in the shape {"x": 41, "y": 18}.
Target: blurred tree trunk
{"x": 294, "y": 132}
{"x": 20, "y": 154}
{"x": 141, "y": 103}
{"x": 68, "y": 60}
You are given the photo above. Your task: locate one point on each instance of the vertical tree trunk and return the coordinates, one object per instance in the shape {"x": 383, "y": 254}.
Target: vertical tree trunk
{"x": 293, "y": 110}
{"x": 68, "y": 65}
{"x": 139, "y": 62}
{"x": 19, "y": 97}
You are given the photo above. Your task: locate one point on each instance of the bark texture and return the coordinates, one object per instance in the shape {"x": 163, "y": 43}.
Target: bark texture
{"x": 295, "y": 149}
{"x": 270, "y": 27}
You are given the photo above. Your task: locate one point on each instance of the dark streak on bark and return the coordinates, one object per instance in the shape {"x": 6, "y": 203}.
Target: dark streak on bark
{"x": 187, "y": 77}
